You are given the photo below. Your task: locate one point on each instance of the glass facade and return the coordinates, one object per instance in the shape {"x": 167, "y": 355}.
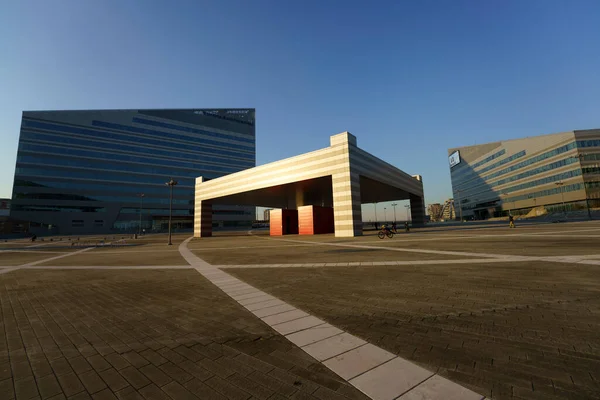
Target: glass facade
{"x": 527, "y": 171}
{"x": 98, "y": 163}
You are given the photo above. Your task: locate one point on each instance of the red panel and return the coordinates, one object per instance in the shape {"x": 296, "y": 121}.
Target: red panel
{"x": 315, "y": 220}
{"x": 305, "y": 220}
{"x": 283, "y": 222}
{"x": 276, "y": 228}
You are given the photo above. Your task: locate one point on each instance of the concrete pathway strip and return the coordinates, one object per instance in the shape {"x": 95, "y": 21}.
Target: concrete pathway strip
{"x": 377, "y": 373}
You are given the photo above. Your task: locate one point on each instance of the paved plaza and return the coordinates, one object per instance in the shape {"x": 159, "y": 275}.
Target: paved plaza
{"x": 462, "y": 312}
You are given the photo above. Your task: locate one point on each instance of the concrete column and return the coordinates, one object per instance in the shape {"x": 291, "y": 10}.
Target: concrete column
{"x": 417, "y": 210}
{"x": 347, "y": 213}
{"x": 203, "y": 219}
{"x": 202, "y": 214}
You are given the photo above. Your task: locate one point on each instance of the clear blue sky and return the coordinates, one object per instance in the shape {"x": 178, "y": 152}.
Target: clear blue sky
{"x": 409, "y": 78}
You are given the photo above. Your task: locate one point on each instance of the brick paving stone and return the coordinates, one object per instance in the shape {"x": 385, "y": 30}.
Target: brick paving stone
{"x": 6, "y": 389}
{"x": 48, "y": 386}
{"x": 26, "y": 388}
{"x": 59, "y": 396}
{"x": 197, "y": 371}
{"x": 155, "y": 375}
{"x": 153, "y": 357}
{"x": 98, "y": 363}
{"x": 21, "y": 370}
{"x": 117, "y": 361}
{"x": 153, "y": 392}
{"x": 79, "y": 364}
{"x": 176, "y": 391}
{"x": 134, "y": 377}
{"x": 227, "y": 389}
{"x": 135, "y": 359}
{"x": 255, "y": 389}
{"x": 70, "y": 384}
{"x": 81, "y": 396}
{"x": 113, "y": 379}
{"x": 92, "y": 315}
{"x": 92, "y": 382}
{"x": 202, "y": 390}
{"x": 105, "y": 394}
{"x": 129, "y": 393}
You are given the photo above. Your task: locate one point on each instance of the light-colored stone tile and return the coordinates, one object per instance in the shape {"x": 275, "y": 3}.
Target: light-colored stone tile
{"x": 440, "y": 388}
{"x": 248, "y": 296}
{"x": 314, "y": 334}
{"x": 296, "y": 325}
{"x": 355, "y": 362}
{"x": 265, "y": 312}
{"x": 333, "y": 346}
{"x": 390, "y": 380}
{"x": 241, "y": 291}
{"x": 264, "y": 304}
{"x": 284, "y": 317}
{"x": 257, "y": 299}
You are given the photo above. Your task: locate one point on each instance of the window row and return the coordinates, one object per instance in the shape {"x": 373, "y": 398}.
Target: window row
{"x": 102, "y": 187}
{"x": 548, "y": 192}
{"x": 155, "y": 211}
{"x": 45, "y": 208}
{"x": 99, "y": 175}
{"x": 590, "y": 170}
{"x": 545, "y": 168}
{"x": 488, "y": 159}
{"x": 533, "y": 160}
{"x": 112, "y": 199}
{"x": 173, "y": 156}
{"x": 231, "y": 212}
{"x": 177, "y": 146}
{"x": 466, "y": 174}
{"x": 588, "y": 143}
{"x": 45, "y": 160}
{"x": 99, "y": 134}
{"x": 544, "y": 181}
{"x": 191, "y": 130}
{"x": 154, "y": 133}
{"x": 592, "y": 185}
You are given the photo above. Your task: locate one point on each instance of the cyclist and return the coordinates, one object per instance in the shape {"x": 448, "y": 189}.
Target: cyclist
{"x": 384, "y": 228}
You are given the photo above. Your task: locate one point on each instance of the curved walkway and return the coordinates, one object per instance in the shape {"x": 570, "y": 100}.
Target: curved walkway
{"x": 374, "y": 371}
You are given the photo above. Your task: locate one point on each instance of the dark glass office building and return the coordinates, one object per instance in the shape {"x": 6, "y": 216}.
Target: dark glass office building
{"x": 104, "y": 171}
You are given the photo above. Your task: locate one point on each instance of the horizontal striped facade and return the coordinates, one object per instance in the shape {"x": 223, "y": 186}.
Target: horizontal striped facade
{"x": 342, "y": 161}
{"x": 517, "y": 175}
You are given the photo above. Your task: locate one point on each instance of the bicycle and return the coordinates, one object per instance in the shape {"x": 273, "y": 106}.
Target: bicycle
{"x": 385, "y": 232}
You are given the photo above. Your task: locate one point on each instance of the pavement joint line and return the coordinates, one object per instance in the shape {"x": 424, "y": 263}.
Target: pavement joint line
{"x": 402, "y": 249}
{"x": 56, "y": 258}
{"x": 343, "y": 352}
{"x": 192, "y": 259}
{"x": 420, "y": 383}
{"x": 107, "y": 267}
{"x": 8, "y": 269}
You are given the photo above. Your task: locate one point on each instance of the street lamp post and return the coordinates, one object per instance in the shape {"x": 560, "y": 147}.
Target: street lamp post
{"x": 141, "y": 207}
{"x": 407, "y": 208}
{"x": 171, "y": 183}
{"x": 459, "y": 205}
{"x": 394, "y": 205}
{"x": 384, "y": 215}
{"x": 581, "y": 157}
{"x": 562, "y": 196}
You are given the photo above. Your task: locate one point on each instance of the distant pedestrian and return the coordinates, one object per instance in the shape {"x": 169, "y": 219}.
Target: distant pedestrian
{"x": 511, "y": 221}
{"x": 406, "y": 227}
